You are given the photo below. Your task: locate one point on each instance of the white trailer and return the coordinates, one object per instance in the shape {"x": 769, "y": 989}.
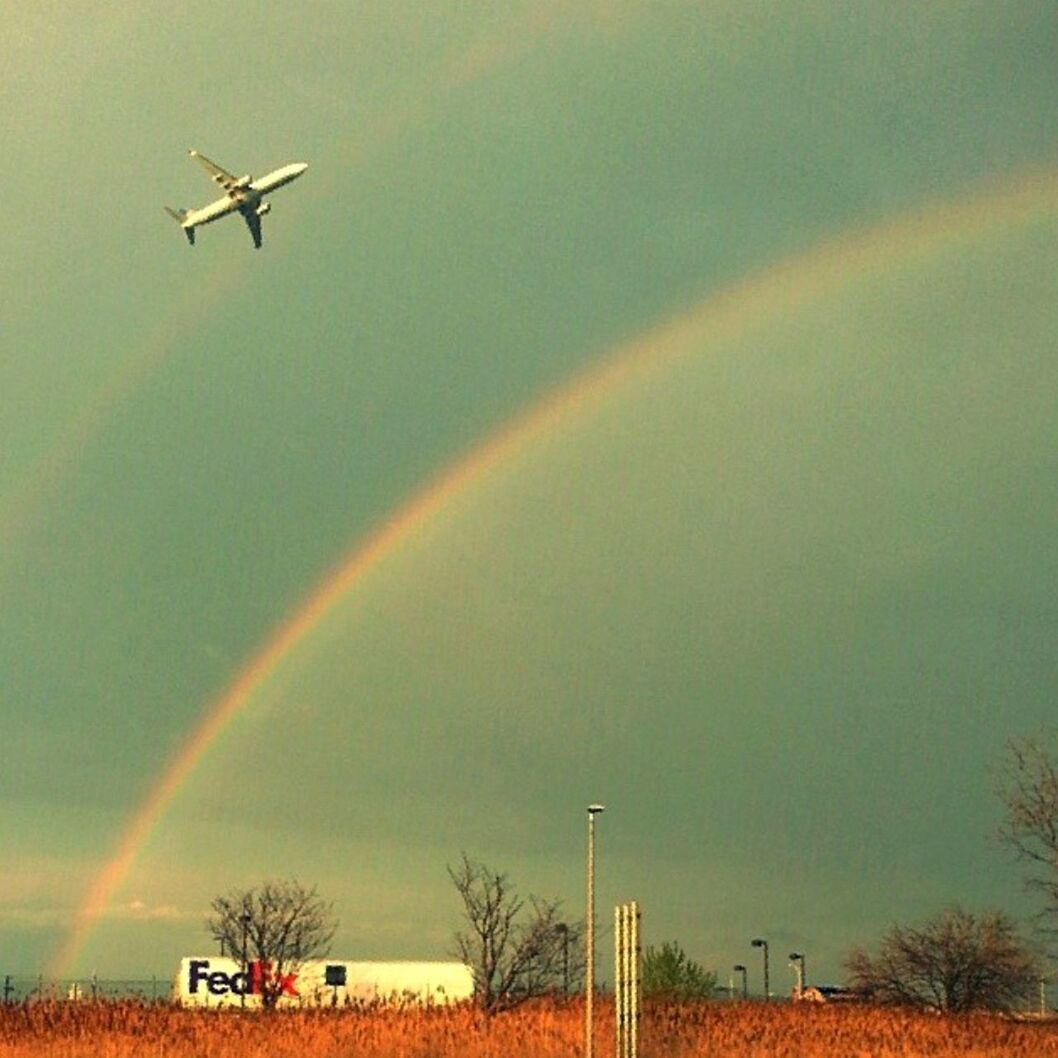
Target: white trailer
{"x": 220, "y": 981}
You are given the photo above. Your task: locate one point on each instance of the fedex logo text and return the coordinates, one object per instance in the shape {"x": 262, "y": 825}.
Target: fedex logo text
{"x": 254, "y": 982}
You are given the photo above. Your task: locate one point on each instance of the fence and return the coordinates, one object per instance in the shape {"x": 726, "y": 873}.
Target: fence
{"x": 20, "y": 988}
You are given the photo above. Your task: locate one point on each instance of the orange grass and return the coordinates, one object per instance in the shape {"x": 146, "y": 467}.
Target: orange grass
{"x": 56, "y": 1029}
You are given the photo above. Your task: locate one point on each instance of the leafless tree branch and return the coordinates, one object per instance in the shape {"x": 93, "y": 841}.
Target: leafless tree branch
{"x": 956, "y": 961}
{"x": 283, "y": 923}
{"x": 1027, "y": 787}
{"x": 515, "y": 948}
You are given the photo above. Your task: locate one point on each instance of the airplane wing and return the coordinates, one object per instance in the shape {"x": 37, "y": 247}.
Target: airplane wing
{"x": 253, "y": 222}
{"x": 221, "y": 176}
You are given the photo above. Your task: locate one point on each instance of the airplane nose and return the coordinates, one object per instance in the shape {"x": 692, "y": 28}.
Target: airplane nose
{"x": 301, "y": 167}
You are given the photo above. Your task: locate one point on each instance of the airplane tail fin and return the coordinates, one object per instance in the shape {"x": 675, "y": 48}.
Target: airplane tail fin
{"x": 180, "y": 215}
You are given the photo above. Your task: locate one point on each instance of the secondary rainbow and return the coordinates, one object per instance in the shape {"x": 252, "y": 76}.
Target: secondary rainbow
{"x": 781, "y": 288}
{"x": 22, "y": 507}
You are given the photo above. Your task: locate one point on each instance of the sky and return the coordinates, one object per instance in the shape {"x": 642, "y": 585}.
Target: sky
{"x": 643, "y": 403}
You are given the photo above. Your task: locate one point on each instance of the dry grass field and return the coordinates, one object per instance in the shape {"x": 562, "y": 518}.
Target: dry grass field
{"x": 54, "y": 1029}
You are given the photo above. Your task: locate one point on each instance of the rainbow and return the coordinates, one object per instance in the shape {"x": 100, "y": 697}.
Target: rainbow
{"x": 780, "y": 289}
{"x": 21, "y": 509}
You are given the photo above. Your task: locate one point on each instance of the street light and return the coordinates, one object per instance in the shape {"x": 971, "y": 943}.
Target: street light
{"x": 760, "y": 942}
{"x": 245, "y": 919}
{"x": 589, "y": 970}
{"x": 797, "y": 961}
{"x": 563, "y": 931}
{"x": 740, "y": 969}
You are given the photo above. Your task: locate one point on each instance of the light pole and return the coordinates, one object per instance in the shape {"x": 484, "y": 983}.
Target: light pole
{"x": 589, "y": 969}
{"x": 740, "y": 969}
{"x": 797, "y": 961}
{"x": 760, "y": 942}
{"x": 563, "y": 931}
{"x": 245, "y": 919}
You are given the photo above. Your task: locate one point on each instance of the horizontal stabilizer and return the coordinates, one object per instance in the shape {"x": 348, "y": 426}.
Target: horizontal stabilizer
{"x": 180, "y": 215}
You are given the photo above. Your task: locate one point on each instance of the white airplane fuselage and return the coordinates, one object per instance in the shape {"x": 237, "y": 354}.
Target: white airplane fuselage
{"x": 244, "y": 198}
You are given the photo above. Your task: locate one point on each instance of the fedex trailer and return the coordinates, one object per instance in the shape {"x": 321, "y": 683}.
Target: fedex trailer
{"x": 218, "y": 981}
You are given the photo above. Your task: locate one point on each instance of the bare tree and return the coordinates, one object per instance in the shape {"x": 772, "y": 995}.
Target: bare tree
{"x": 278, "y": 926}
{"x": 515, "y": 948}
{"x": 955, "y": 961}
{"x": 1028, "y": 790}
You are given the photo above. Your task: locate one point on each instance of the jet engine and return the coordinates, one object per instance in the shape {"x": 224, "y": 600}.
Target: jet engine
{"x": 263, "y": 208}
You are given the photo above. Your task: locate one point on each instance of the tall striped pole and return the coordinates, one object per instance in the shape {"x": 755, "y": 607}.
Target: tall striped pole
{"x": 619, "y": 951}
{"x": 626, "y": 979}
{"x": 634, "y": 965}
{"x": 589, "y": 970}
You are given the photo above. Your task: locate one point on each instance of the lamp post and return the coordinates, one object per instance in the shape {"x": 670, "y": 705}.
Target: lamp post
{"x": 245, "y": 919}
{"x": 760, "y": 942}
{"x": 740, "y": 969}
{"x": 563, "y": 931}
{"x": 797, "y": 961}
{"x": 589, "y": 969}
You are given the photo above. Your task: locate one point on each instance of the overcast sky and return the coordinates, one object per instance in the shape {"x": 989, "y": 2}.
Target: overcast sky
{"x": 777, "y": 596}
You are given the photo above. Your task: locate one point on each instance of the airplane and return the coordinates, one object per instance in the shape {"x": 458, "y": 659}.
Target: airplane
{"x": 243, "y": 194}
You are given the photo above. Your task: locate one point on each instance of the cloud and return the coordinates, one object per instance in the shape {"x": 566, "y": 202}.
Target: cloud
{"x": 140, "y": 911}
{"x": 27, "y": 909}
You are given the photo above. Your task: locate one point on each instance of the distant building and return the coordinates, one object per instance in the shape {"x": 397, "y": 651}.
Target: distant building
{"x": 827, "y": 994}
